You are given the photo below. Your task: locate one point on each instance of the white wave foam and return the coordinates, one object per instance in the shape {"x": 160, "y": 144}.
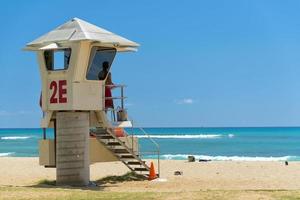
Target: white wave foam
{"x": 201, "y": 136}
{"x": 6, "y": 154}
{"x": 14, "y": 137}
{"x": 228, "y": 158}
{"x": 230, "y": 135}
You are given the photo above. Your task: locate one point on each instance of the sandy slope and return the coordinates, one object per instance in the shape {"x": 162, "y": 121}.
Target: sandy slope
{"x": 196, "y": 176}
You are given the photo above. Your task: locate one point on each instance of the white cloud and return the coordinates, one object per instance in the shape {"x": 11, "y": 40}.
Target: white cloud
{"x": 185, "y": 101}
{"x": 24, "y": 112}
{"x": 128, "y": 104}
{"x": 6, "y": 113}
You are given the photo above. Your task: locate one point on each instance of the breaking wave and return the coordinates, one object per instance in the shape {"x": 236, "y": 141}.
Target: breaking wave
{"x": 200, "y": 136}
{"x": 6, "y": 154}
{"x": 14, "y": 137}
{"x": 229, "y": 158}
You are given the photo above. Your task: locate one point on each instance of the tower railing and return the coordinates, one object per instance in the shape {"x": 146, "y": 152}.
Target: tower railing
{"x": 117, "y": 107}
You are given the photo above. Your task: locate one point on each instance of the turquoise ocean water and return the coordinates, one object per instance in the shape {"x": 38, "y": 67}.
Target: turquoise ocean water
{"x": 251, "y": 144}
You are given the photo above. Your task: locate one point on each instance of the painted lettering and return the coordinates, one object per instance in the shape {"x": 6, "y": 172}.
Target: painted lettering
{"x": 59, "y": 87}
{"x": 53, "y": 87}
{"x": 62, "y": 94}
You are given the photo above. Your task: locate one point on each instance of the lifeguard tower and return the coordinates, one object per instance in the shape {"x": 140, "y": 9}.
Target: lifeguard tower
{"x": 74, "y": 61}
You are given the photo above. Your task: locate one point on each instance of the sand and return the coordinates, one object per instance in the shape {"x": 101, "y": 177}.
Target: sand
{"x": 217, "y": 175}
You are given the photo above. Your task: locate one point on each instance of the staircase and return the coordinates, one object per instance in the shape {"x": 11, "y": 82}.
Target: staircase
{"x": 124, "y": 153}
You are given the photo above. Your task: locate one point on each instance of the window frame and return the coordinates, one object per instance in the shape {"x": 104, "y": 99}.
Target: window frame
{"x": 92, "y": 54}
{"x": 53, "y": 58}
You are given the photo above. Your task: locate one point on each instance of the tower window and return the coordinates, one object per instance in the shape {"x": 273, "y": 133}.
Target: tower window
{"x": 57, "y": 59}
{"x": 100, "y": 62}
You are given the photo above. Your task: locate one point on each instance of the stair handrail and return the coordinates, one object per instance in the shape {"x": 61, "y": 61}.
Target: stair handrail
{"x": 154, "y": 142}
{"x": 157, "y": 149}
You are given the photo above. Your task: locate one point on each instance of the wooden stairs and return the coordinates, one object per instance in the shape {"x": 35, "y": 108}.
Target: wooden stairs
{"x": 124, "y": 153}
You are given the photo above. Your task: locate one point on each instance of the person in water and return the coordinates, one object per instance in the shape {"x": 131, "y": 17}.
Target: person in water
{"x": 106, "y": 75}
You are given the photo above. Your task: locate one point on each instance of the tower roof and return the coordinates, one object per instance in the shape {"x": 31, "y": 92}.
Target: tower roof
{"x": 78, "y": 30}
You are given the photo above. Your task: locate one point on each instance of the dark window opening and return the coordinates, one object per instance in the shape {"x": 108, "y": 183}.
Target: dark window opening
{"x": 57, "y": 59}
{"x": 100, "y": 62}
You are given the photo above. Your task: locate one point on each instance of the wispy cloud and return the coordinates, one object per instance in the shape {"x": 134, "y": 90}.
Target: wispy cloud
{"x": 185, "y": 101}
{"x": 128, "y": 104}
{"x": 5, "y": 113}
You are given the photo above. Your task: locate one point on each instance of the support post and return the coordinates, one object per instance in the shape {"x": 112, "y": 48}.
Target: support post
{"x": 72, "y": 148}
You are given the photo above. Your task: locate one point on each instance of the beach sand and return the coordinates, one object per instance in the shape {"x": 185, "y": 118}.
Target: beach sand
{"x": 216, "y": 175}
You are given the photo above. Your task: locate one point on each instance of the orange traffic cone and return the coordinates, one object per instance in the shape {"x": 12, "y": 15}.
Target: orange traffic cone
{"x": 152, "y": 174}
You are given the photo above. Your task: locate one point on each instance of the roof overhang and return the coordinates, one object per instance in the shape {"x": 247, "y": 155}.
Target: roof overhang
{"x": 77, "y": 30}
{"x": 55, "y": 46}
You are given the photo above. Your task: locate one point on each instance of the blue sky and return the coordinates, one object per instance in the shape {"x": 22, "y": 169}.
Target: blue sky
{"x": 201, "y": 63}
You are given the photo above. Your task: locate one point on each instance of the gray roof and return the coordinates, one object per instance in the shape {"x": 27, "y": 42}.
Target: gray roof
{"x": 77, "y": 30}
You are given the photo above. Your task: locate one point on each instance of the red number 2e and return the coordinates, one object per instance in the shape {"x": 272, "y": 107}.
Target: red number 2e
{"x": 61, "y": 88}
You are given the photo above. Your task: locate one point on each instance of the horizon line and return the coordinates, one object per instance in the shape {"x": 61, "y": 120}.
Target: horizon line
{"x": 178, "y": 127}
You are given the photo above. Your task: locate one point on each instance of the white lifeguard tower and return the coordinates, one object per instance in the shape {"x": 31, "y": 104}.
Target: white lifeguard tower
{"x": 74, "y": 61}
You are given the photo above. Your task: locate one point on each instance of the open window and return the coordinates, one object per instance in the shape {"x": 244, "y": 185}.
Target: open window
{"x": 100, "y": 62}
{"x": 57, "y": 59}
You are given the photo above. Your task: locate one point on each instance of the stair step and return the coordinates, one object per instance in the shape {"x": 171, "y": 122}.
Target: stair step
{"x": 127, "y": 157}
{"x": 141, "y": 169}
{"x": 135, "y": 163}
{"x": 102, "y": 134}
{"x": 113, "y": 144}
{"x": 100, "y": 131}
{"x": 148, "y": 175}
{"x": 105, "y": 137}
{"x": 120, "y": 150}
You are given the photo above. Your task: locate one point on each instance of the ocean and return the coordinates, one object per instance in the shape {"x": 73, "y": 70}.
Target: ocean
{"x": 237, "y": 144}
